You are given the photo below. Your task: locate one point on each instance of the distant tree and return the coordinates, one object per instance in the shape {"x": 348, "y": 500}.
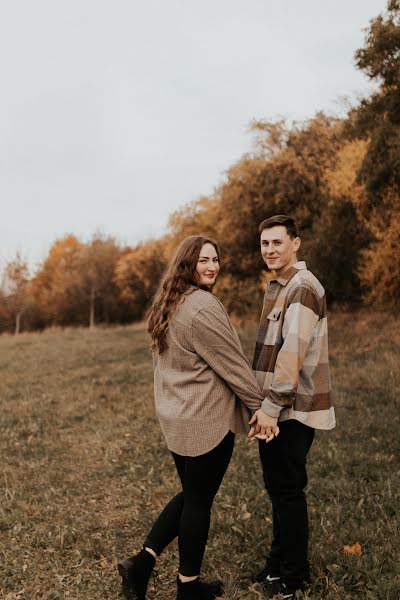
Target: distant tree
{"x": 138, "y": 273}
{"x": 270, "y": 137}
{"x": 241, "y": 298}
{"x": 4, "y": 312}
{"x": 340, "y": 234}
{"x": 75, "y": 284}
{"x": 341, "y": 178}
{"x": 55, "y": 286}
{"x": 284, "y": 174}
{"x": 307, "y": 170}
{"x": 335, "y": 254}
{"x": 381, "y": 262}
{"x": 200, "y": 217}
{"x": 377, "y": 119}
{"x": 95, "y": 274}
{"x": 17, "y": 289}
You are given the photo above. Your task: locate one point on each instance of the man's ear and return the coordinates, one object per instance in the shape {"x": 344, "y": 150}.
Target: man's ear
{"x": 296, "y": 244}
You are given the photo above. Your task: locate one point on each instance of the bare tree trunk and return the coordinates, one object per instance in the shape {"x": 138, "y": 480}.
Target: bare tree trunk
{"x": 92, "y": 298}
{"x": 17, "y": 323}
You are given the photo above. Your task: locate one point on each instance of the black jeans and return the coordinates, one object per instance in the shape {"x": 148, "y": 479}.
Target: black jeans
{"x": 285, "y": 477}
{"x": 187, "y": 515}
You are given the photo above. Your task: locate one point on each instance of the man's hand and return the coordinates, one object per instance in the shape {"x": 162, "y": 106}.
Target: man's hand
{"x": 264, "y": 427}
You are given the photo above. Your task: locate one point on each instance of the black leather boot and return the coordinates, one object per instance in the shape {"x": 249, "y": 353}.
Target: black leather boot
{"x": 199, "y": 590}
{"x": 135, "y": 573}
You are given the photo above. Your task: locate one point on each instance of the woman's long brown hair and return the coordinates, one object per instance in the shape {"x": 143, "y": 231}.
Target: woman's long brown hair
{"x": 175, "y": 285}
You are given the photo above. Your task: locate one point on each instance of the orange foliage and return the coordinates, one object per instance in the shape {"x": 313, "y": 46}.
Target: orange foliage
{"x": 380, "y": 270}
{"x": 55, "y": 282}
{"x": 138, "y": 273}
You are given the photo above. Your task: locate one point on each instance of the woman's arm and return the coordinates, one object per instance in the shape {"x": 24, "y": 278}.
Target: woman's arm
{"x": 215, "y": 340}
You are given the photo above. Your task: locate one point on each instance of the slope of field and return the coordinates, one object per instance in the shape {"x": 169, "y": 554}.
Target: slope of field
{"x": 84, "y": 470}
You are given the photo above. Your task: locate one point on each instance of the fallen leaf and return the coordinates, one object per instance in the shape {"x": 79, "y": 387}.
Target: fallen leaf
{"x": 354, "y": 549}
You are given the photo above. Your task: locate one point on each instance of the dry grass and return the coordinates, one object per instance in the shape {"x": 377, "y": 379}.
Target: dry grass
{"x": 84, "y": 469}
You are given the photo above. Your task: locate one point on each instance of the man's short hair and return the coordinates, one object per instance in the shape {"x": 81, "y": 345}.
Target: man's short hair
{"x": 284, "y": 220}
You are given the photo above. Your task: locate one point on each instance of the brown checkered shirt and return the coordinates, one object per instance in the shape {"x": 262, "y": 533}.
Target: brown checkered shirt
{"x": 291, "y": 355}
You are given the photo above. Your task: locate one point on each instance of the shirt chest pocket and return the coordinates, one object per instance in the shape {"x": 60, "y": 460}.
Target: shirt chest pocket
{"x": 274, "y": 331}
{"x": 274, "y": 314}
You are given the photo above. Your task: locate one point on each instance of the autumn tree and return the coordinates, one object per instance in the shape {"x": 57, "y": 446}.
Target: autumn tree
{"x": 377, "y": 120}
{"x": 283, "y": 174}
{"x": 380, "y": 267}
{"x": 138, "y": 273}
{"x": 200, "y": 217}
{"x": 55, "y": 286}
{"x": 17, "y": 282}
{"x": 339, "y": 234}
{"x": 4, "y": 312}
{"x": 287, "y": 172}
{"x": 340, "y": 180}
{"x": 95, "y": 276}
{"x": 378, "y": 116}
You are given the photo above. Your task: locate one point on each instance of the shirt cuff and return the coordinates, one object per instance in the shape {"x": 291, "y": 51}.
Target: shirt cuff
{"x": 273, "y": 410}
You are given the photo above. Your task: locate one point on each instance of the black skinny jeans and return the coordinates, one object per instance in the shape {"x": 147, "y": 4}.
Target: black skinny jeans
{"x": 187, "y": 515}
{"x": 285, "y": 477}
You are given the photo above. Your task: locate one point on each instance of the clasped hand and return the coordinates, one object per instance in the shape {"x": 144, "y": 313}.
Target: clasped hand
{"x": 263, "y": 426}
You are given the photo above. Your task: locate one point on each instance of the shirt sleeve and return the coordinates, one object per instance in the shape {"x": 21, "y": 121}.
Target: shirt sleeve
{"x": 300, "y": 320}
{"x": 216, "y": 341}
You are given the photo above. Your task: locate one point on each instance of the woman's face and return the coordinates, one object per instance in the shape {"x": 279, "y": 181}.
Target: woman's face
{"x": 207, "y": 266}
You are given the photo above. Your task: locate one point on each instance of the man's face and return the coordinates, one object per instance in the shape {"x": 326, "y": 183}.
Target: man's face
{"x": 278, "y": 249}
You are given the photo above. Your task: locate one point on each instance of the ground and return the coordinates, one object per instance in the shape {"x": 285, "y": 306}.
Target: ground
{"x": 85, "y": 470}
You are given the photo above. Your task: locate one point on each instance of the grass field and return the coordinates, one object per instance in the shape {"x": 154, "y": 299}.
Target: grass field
{"x": 84, "y": 470}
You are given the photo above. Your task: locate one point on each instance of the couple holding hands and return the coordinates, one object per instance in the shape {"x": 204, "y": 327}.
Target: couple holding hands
{"x": 206, "y": 392}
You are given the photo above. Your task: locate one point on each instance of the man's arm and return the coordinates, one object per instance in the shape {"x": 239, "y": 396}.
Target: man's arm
{"x": 301, "y": 318}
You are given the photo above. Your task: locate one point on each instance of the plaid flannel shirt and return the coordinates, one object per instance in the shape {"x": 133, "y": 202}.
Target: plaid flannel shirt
{"x": 291, "y": 355}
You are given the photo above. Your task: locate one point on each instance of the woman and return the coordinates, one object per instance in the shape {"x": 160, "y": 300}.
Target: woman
{"x": 205, "y": 392}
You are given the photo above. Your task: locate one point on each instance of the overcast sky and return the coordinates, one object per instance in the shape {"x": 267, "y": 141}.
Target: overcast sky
{"x": 113, "y": 114}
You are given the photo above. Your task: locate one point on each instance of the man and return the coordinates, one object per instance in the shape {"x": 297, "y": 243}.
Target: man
{"x": 291, "y": 366}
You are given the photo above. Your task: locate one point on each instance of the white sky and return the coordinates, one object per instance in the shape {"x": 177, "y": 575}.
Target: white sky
{"x": 113, "y": 114}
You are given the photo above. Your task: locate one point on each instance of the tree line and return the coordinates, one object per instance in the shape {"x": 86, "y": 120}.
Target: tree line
{"x": 339, "y": 178}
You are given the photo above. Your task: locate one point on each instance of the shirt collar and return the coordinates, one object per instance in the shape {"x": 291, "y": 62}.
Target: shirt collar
{"x": 291, "y": 272}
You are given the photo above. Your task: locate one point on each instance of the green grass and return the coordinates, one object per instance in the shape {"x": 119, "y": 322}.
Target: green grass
{"x": 84, "y": 469}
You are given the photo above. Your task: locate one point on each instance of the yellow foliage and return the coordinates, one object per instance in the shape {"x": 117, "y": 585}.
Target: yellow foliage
{"x": 341, "y": 180}
{"x": 195, "y": 218}
{"x": 380, "y": 270}
{"x": 138, "y": 271}
{"x": 57, "y": 274}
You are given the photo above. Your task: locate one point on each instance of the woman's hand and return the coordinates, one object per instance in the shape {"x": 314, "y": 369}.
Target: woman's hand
{"x": 263, "y": 426}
